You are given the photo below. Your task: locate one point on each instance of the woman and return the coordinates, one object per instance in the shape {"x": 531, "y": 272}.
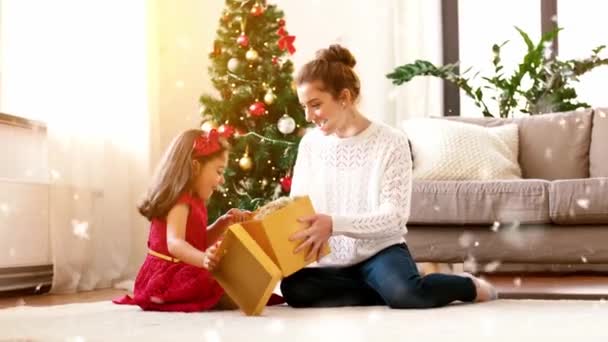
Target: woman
{"x": 358, "y": 175}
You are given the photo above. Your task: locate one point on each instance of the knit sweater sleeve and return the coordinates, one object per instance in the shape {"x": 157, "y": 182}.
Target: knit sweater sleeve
{"x": 391, "y": 215}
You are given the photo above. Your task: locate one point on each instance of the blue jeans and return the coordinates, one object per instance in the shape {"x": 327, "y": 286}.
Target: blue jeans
{"x": 387, "y": 278}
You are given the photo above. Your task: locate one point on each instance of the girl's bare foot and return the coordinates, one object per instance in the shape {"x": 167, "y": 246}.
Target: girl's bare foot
{"x": 485, "y": 290}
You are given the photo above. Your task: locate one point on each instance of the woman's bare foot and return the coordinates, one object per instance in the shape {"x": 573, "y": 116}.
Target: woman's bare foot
{"x": 485, "y": 290}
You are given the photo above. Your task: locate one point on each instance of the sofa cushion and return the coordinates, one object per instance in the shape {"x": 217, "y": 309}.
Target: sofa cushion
{"x": 598, "y": 160}
{"x": 479, "y": 202}
{"x": 579, "y": 201}
{"x": 551, "y": 146}
{"x": 555, "y": 146}
{"x": 447, "y": 150}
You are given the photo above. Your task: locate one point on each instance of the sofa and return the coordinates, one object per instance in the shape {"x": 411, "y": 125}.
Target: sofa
{"x": 555, "y": 214}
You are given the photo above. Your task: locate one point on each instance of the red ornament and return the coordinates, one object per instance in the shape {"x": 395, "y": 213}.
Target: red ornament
{"x": 286, "y": 183}
{"x": 281, "y": 22}
{"x": 257, "y": 109}
{"x": 275, "y": 60}
{"x": 257, "y": 10}
{"x": 243, "y": 40}
{"x": 226, "y": 131}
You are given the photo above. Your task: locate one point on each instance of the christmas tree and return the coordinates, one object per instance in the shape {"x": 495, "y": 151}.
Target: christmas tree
{"x": 257, "y": 107}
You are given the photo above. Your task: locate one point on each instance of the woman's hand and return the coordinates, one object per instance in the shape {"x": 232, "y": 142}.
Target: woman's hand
{"x": 211, "y": 258}
{"x": 320, "y": 228}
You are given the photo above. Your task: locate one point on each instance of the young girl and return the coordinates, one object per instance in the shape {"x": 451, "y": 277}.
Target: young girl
{"x": 181, "y": 248}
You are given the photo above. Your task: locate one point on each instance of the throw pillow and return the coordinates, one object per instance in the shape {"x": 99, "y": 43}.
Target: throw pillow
{"x": 451, "y": 150}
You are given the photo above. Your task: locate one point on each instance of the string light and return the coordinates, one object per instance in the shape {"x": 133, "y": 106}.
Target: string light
{"x": 274, "y": 141}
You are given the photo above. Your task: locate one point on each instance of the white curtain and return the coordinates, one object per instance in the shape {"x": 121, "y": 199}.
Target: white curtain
{"x": 81, "y": 68}
{"x": 382, "y": 35}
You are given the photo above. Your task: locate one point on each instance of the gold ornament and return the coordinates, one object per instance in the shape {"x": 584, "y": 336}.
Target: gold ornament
{"x": 251, "y": 55}
{"x": 245, "y": 163}
{"x": 269, "y": 97}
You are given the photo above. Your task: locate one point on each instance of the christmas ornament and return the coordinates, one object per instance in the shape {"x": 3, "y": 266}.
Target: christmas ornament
{"x": 243, "y": 40}
{"x": 275, "y": 60}
{"x": 217, "y": 49}
{"x": 286, "y": 124}
{"x": 234, "y": 64}
{"x": 251, "y": 55}
{"x": 257, "y": 10}
{"x": 208, "y": 125}
{"x": 226, "y": 131}
{"x": 286, "y": 183}
{"x": 286, "y": 41}
{"x": 245, "y": 163}
{"x": 281, "y": 22}
{"x": 269, "y": 97}
{"x": 257, "y": 109}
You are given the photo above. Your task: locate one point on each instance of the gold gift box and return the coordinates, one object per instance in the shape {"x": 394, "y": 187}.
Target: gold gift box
{"x": 256, "y": 254}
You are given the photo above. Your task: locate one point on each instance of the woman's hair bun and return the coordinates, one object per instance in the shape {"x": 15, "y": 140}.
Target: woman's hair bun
{"x": 337, "y": 53}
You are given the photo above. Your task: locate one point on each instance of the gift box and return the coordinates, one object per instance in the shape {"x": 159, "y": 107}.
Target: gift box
{"x": 246, "y": 273}
{"x": 254, "y": 251}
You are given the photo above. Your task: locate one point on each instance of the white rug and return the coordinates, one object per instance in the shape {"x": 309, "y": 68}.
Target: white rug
{"x": 502, "y": 320}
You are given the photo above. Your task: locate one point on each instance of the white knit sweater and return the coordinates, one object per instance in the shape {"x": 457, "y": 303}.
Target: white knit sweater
{"x": 363, "y": 182}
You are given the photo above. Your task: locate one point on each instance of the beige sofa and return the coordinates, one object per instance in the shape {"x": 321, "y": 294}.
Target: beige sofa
{"x": 556, "y": 214}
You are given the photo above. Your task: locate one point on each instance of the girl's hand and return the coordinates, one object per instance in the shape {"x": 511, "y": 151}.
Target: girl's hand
{"x": 211, "y": 258}
{"x": 233, "y": 216}
{"x": 320, "y": 228}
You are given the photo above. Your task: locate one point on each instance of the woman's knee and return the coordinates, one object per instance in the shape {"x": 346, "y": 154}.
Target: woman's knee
{"x": 295, "y": 292}
{"x": 407, "y": 297}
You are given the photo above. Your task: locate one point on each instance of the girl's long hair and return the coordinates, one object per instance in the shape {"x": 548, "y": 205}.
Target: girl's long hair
{"x": 173, "y": 176}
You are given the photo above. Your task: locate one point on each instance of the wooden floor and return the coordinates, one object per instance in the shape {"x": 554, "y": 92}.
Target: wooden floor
{"x": 513, "y": 287}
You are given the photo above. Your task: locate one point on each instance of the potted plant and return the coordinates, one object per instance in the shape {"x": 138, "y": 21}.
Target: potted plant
{"x": 547, "y": 81}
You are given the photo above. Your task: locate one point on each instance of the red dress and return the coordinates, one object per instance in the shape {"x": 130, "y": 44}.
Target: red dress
{"x": 164, "y": 285}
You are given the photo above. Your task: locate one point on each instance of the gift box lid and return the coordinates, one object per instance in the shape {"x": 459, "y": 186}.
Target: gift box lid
{"x": 245, "y": 272}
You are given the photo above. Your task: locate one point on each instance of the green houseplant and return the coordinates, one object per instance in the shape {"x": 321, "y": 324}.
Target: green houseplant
{"x": 547, "y": 81}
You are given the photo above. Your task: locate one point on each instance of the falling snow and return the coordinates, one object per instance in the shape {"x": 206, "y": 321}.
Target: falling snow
{"x": 55, "y": 174}
{"x": 517, "y": 282}
{"x": 492, "y": 266}
{"x": 4, "y": 208}
{"x": 212, "y": 336}
{"x": 276, "y": 326}
{"x": 465, "y": 240}
{"x": 470, "y": 264}
{"x": 583, "y": 203}
{"x": 81, "y": 229}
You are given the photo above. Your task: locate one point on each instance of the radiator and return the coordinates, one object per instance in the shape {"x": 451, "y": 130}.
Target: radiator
{"x": 25, "y": 245}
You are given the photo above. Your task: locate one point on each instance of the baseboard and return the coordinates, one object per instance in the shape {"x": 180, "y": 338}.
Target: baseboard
{"x": 36, "y": 278}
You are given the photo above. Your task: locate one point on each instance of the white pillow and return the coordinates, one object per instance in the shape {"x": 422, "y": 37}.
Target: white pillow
{"x": 452, "y": 150}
